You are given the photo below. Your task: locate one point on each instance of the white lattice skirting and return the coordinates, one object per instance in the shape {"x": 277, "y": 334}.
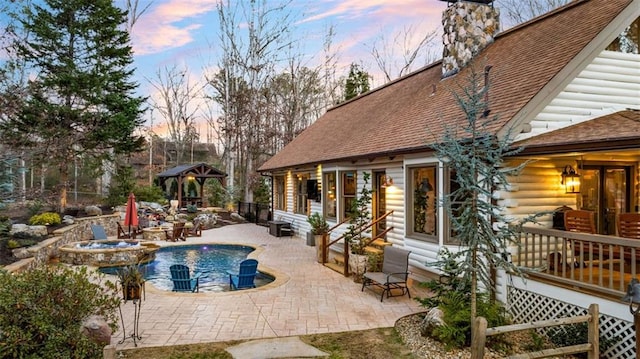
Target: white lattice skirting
{"x": 533, "y": 307}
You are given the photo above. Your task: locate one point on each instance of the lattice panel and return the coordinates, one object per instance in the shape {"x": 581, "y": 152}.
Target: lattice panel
{"x": 532, "y": 307}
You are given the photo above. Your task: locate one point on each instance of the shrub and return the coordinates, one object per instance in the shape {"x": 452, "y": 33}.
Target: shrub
{"x": 452, "y": 294}
{"x": 42, "y": 310}
{"x": 34, "y": 207}
{"x": 47, "y": 218}
{"x": 13, "y": 244}
{"x": 150, "y": 194}
{"x": 574, "y": 334}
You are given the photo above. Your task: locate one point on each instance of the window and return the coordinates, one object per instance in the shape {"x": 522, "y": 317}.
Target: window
{"x": 329, "y": 194}
{"x": 454, "y": 202}
{"x": 348, "y": 193}
{"x": 301, "y": 194}
{"x": 279, "y": 190}
{"x": 422, "y": 191}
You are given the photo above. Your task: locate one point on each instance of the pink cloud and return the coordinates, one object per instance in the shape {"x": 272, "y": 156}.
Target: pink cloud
{"x": 161, "y": 27}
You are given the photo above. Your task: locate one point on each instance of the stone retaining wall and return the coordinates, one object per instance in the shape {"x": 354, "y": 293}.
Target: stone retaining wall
{"x": 40, "y": 253}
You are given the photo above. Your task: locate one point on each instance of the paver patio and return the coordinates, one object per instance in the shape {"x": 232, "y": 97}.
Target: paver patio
{"x": 305, "y": 298}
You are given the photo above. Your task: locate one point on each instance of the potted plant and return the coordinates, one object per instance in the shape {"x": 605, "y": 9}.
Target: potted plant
{"x": 360, "y": 217}
{"x": 319, "y": 227}
{"x": 132, "y": 280}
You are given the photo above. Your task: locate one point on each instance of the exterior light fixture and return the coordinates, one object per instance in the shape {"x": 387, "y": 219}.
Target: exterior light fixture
{"x": 570, "y": 180}
{"x": 386, "y": 181}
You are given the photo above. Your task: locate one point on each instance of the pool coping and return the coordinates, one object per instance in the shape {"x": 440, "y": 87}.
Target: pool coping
{"x": 280, "y": 278}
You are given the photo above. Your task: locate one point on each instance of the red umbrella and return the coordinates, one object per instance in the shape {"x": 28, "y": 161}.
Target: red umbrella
{"x": 131, "y": 214}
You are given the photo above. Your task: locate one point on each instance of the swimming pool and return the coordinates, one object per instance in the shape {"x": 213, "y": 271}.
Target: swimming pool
{"x": 213, "y": 260}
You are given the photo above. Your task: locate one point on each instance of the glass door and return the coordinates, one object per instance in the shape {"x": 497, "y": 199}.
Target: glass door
{"x": 379, "y": 201}
{"x": 606, "y": 191}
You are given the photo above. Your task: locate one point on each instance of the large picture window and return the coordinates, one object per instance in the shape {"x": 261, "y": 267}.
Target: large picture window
{"x": 422, "y": 191}
{"x": 329, "y": 194}
{"x": 301, "y": 194}
{"x": 279, "y": 193}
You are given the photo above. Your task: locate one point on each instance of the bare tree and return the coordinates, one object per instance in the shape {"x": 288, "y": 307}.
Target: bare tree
{"x": 250, "y": 55}
{"x": 414, "y": 51}
{"x": 133, "y": 14}
{"x": 515, "y": 12}
{"x": 177, "y": 102}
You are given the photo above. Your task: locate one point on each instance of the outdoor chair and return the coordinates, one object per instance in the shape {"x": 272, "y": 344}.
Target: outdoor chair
{"x": 123, "y": 233}
{"x": 176, "y": 233}
{"x": 394, "y": 273}
{"x": 245, "y": 278}
{"x": 580, "y": 221}
{"x": 182, "y": 281}
{"x": 629, "y": 225}
{"x": 195, "y": 231}
{"x": 287, "y": 229}
{"x": 98, "y": 231}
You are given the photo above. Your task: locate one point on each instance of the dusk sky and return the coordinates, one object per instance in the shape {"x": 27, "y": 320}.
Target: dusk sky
{"x": 185, "y": 32}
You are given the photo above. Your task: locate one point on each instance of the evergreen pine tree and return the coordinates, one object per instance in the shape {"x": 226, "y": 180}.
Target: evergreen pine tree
{"x": 476, "y": 155}
{"x": 81, "y": 97}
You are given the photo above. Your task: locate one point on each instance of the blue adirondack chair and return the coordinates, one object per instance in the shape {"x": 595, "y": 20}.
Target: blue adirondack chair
{"x": 182, "y": 281}
{"x": 98, "y": 231}
{"x": 245, "y": 277}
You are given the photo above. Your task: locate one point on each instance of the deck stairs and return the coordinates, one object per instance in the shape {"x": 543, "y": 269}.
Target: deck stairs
{"x": 336, "y": 256}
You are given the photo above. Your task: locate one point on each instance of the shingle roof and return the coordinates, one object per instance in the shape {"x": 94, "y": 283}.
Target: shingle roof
{"x": 407, "y": 115}
{"x": 617, "y": 130}
{"x": 202, "y": 170}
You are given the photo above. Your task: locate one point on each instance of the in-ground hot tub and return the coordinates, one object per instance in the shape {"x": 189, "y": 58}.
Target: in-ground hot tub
{"x": 108, "y": 253}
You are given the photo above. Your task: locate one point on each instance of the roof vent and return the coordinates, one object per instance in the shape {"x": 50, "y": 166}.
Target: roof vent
{"x": 469, "y": 26}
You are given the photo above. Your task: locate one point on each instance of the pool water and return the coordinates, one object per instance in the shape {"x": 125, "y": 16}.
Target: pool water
{"x": 213, "y": 261}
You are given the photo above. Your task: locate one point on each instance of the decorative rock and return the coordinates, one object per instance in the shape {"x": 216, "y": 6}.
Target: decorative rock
{"x": 208, "y": 220}
{"x": 93, "y": 211}
{"x": 97, "y": 329}
{"x": 22, "y": 253}
{"x": 31, "y": 231}
{"x": 236, "y": 217}
{"x": 432, "y": 320}
{"x": 68, "y": 220}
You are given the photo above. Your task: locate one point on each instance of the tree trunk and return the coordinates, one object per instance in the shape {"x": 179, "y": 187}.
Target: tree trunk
{"x": 64, "y": 180}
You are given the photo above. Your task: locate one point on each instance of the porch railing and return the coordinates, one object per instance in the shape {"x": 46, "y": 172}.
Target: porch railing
{"x": 346, "y": 249}
{"x": 596, "y": 263}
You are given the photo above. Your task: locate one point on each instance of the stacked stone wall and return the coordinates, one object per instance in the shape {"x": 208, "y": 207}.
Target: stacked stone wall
{"x": 41, "y": 253}
{"x": 468, "y": 28}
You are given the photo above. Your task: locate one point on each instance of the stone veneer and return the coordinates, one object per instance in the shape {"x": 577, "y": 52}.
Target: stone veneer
{"x": 42, "y": 252}
{"x": 468, "y": 28}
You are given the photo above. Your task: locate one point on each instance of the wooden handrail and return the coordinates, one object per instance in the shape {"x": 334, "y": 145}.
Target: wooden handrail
{"x": 346, "y": 251}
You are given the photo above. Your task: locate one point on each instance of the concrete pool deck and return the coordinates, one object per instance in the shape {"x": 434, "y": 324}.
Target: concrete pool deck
{"x": 305, "y": 298}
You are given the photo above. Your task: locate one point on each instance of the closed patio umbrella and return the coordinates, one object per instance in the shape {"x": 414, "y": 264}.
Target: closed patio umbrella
{"x": 131, "y": 214}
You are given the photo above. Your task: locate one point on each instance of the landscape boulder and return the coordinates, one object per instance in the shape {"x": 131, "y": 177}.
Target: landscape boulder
{"x": 21, "y": 229}
{"x": 208, "y": 220}
{"x": 433, "y": 319}
{"x": 97, "y": 329}
{"x": 93, "y": 211}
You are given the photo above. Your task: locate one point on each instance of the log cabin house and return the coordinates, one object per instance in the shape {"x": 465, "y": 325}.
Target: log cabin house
{"x": 567, "y": 86}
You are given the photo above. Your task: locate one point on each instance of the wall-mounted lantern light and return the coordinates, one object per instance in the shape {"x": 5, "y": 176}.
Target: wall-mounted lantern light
{"x": 387, "y": 181}
{"x": 570, "y": 180}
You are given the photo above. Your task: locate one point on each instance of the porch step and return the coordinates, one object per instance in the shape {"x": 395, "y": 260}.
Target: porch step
{"x": 380, "y": 243}
{"x": 335, "y": 266}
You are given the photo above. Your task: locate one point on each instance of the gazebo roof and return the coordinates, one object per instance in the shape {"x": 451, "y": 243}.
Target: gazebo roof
{"x": 200, "y": 170}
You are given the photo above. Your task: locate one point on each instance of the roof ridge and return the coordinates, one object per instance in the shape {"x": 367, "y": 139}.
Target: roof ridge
{"x": 541, "y": 17}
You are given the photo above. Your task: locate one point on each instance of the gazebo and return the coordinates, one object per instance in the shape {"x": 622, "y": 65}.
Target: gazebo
{"x": 186, "y": 174}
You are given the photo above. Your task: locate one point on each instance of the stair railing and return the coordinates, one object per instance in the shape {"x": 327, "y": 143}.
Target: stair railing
{"x": 346, "y": 249}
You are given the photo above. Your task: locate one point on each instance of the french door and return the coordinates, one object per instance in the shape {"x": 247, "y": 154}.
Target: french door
{"x": 606, "y": 190}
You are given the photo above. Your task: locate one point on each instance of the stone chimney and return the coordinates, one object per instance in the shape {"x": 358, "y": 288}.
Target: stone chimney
{"x": 469, "y": 26}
